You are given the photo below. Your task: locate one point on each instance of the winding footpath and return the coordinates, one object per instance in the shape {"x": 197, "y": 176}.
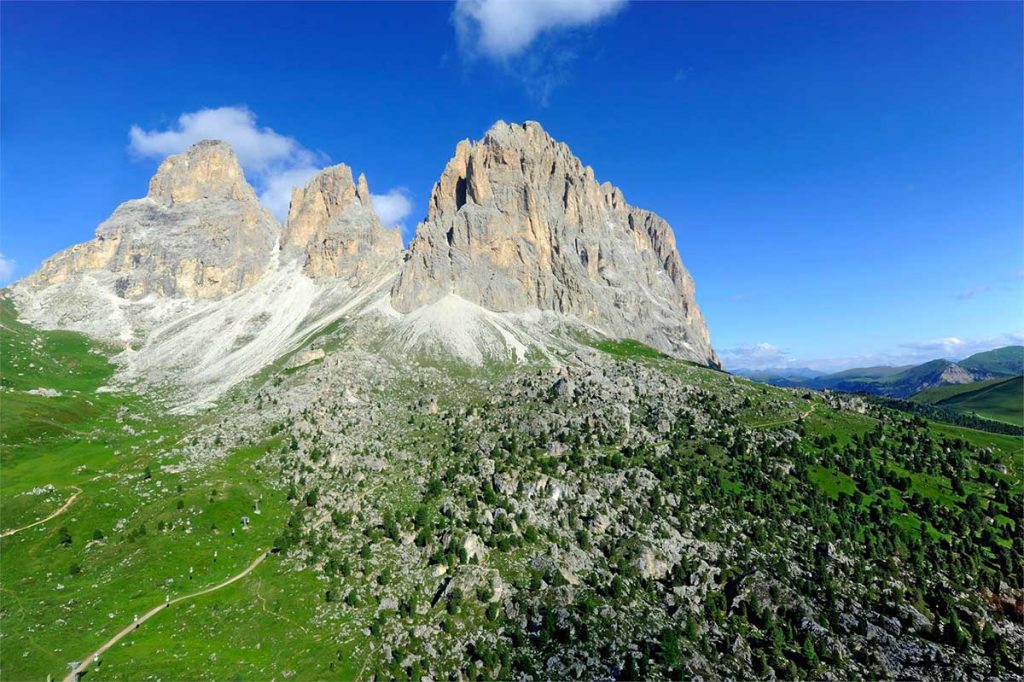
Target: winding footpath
{"x": 84, "y": 665}
{"x": 64, "y": 508}
{"x": 802, "y": 415}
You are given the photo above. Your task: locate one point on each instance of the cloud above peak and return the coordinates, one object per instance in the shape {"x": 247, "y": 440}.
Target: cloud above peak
{"x": 259, "y": 150}
{"x": 505, "y": 28}
{"x": 273, "y": 163}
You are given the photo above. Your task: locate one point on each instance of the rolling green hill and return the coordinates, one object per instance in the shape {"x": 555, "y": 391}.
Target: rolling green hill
{"x": 1006, "y": 361}
{"x": 998, "y": 399}
{"x": 934, "y": 396}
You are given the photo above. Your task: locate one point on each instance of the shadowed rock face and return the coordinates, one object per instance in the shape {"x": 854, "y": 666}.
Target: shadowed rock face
{"x": 200, "y": 233}
{"x": 517, "y": 223}
{"x": 333, "y": 223}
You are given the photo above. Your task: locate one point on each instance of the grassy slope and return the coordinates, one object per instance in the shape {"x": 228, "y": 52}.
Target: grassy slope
{"x": 265, "y": 626}
{"x": 50, "y": 617}
{"x": 1003, "y": 401}
{"x": 792, "y": 405}
{"x": 627, "y": 348}
{"x": 1008, "y": 361}
{"x": 934, "y": 396}
{"x": 998, "y": 399}
{"x": 869, "y": 372}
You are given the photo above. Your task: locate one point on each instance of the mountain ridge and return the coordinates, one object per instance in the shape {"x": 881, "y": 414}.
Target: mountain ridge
{"x": 517, "y": 223}
{"x": 202, "y": 287}
{"x": 903, "y": 381}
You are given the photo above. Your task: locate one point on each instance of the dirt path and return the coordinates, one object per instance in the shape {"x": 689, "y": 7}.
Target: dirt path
{"x": 83, "y": 666}
{"x": 802, "y": 415}
{"x": 64, "y": 508}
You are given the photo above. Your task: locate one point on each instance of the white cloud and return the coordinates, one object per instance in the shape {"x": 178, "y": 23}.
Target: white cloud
{"x": 259, "y": 150}
{"x": 276, "y": 188}
{"x": 767, "y": 355}
{"x": 948, "y": 345}
{"x": 756, "y": 356}
{"x": 505, "y": 28}
{"x": 6, "y": 269}
{"x": 392, "y": 208}
{"x": 273, "y": 163}
{"x": 955, "y": 348}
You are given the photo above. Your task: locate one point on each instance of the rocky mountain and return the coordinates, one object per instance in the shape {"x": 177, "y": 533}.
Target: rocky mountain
{"x": 332, "y": 223}
{"x": 199, "y": 233}
{"x": 198, "y": 283}
{"x": 521, "y": 248}
{"x": 517, "y": 224}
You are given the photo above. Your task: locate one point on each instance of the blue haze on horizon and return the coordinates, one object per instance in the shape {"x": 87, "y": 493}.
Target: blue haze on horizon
{"x": 844, "y": 179}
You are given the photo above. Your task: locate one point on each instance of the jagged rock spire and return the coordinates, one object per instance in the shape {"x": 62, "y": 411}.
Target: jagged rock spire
{"x": 518, "y": 223}
{"x": 333, "y": 223}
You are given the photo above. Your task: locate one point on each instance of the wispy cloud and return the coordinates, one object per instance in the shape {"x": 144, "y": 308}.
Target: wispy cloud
{"x": 971, "y": 293}
{"x": 955, "y": 348}
{"x": 756, "y": 356}
{"x": 273, "y": 162}
{"x": 1001, "y": 282}
{"x": 525, "y": 37}
{"x": 768, "y": 355}
{"x": 7, "y": 267}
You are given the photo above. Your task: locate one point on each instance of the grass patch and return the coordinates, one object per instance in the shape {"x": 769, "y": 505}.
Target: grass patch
{"x": 627, "y": 348}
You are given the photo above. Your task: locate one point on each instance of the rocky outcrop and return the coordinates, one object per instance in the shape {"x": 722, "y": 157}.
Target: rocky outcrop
{"x": 200, "y": 233}
{"x": 331, "y": 222}
{"x": 517, "y": 223}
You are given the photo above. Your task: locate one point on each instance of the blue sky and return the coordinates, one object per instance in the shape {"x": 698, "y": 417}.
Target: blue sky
{"x": 844, "y": 179}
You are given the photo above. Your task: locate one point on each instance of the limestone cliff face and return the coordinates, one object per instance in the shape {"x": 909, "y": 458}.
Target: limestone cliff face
{"x": 332, "y": 222}
{"x": 200, "y": 233}
{"x": 517, "y": 223}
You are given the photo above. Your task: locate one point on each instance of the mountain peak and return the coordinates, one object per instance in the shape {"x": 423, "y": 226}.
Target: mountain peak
{"x": 502, "y": 132}
{"x": 517, "y": 223}
{"x": 333, "y": 222}
{"x": 207, "y": 170}
{"x": 199, "y": 233}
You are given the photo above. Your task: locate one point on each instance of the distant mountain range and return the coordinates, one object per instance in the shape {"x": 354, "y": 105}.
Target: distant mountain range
{"x": 901, "y": 382}
{"x": 769, "y": 374}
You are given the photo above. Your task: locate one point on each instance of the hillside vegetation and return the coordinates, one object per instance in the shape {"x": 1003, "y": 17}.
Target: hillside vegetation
{"x": 998, "y": 399}
{"x": 622, "y": 516}
{"x": 1006, "y": 361}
